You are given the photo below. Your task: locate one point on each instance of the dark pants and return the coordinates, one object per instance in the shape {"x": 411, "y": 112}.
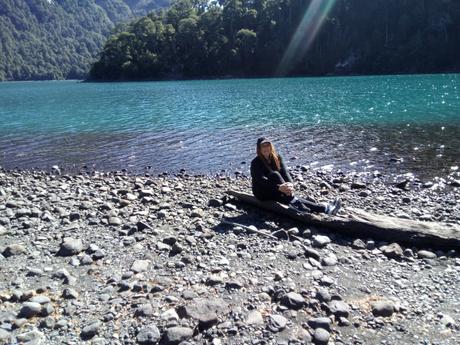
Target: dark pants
{"x": 272, "y": 193}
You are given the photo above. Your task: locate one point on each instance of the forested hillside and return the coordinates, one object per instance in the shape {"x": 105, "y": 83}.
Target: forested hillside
{"x": 55, "y": 39}
{"x": 196, "y": 38}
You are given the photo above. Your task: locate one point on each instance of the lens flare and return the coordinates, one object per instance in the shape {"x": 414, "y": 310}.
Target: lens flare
{"x": 305, "y": 34}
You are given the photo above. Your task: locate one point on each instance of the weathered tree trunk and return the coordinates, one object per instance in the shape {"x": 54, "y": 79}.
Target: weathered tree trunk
{"x": 358, "y": 223}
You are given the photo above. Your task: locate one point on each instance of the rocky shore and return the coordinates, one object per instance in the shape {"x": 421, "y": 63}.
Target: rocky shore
{"x": 110, "y": 258}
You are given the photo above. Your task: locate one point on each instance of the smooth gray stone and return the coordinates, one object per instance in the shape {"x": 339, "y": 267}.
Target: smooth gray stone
{"x": 70, "y": 246}
{"x": 140, "y": 266}
{"x": 23, "y": 212}
{"x": 148, "y": 335}
{"x": 321, "y": 241}
{"x": 19, "y": 322}
{"x": 12, "y": 204}
{"x": 197, "y": 213}
{"x": 169, "y": 315}
{"x": 370, "y": 245}
{"x": 393, "y": 251}
{"x": 74, "y": 216}
{"x": 326, "y": 281}
{"x": 312, "y": 253}
{"x": 364, "y": 193}
{"x": 14, "y": 249}
{"x": 47, "y": 309}
{"x": 4, "y": 335}
{"x": 40, "y": 299}
{"x": 34, "y": 272}
{"x": 408, "y": 253}
{"x": 320, "y": 322}
{"x": 234, "y": 285}
{"x": 425, "y": 254}
{"x": 47, "y": 323}
{"x": 90, "y": 330}
{"x": 176, "y": 335}
{"x": 323, "y": 295}
{"x": 60, "y": 324}
{"x": 293, "y": 300}
{"x": 358, "y": 244}
{"x": 86, "y": 205}
{"x": 86, "y": 260}
{"x": 214, "y": 280}
{"x": 205, "y": 311}
{"x": 7, "y": 316}
{"x": 30, "y": 309}
{"x": 357, "y": 185}
{"x": 330, "y": 260}
{"x": 339, "y": 308}
{"x": 65, "y": 275}
{"x": 321, "y": 336}
{"x": 254, "y": 318}
{"x": 215, "y": 202}
{"x": 101, "y": 341}
{"x": 69, "y": 293}
{"x": 383, "y": 308}
{"x": 447, "y": 321}
{"x": 144, "y": 310}
{"x": 33, "y": 337}
{"x": 114, "y": 221}
{"x": 277, "y": 323}
{"x": 176, "y": 248}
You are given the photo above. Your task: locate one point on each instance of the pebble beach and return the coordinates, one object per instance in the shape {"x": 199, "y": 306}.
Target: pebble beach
{"x": 114, "y": 258}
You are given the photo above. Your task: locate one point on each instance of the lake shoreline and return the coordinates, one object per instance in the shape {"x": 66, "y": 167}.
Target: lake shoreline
{"x": 119, "y": 258}
{"x": 331, "y": 75}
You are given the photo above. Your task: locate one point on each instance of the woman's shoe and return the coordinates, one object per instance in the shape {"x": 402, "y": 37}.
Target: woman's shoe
{"x": 337, "y": 204}
{"x": 334, "y": 207}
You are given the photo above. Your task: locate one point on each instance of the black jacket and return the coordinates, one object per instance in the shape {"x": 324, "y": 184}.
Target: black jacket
{"x": 261, "y": 186}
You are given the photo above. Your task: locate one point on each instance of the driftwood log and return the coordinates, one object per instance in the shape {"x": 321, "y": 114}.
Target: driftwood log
{"x": 358, "y": 223}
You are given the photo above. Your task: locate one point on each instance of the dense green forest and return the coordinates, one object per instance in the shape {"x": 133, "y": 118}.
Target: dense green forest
{"x": 55, "y": 39}
{"x": 199, "y": 38}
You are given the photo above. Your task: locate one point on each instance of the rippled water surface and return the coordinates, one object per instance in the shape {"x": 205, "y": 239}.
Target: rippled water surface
{"x": 208, "y": 125}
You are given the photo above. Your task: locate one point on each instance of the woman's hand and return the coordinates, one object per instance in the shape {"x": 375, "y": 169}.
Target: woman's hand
{"x": 290, "y": 185}
{"x": 286, "y": 188}
{"x": 291, "y": 188}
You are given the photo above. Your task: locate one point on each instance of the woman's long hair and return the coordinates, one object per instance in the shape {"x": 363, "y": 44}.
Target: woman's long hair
{"x": 273, "y": 157}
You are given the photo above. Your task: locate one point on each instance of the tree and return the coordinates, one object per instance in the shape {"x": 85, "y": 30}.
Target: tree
{"x": 246, "y": 41}
{"x": 60, "y": 39}
{"x": 196, "y": 38}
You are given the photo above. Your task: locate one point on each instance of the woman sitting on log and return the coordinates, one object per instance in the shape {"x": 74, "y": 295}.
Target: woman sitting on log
{"x": 272, "y": 181}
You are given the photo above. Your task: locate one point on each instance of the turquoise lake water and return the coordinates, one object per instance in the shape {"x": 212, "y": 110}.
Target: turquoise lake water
{"x": 362, "y": 123}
